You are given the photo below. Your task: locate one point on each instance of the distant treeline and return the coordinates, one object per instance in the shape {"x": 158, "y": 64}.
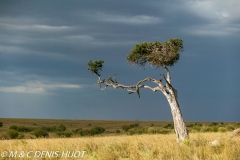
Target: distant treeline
{"x": 20, "y": 132}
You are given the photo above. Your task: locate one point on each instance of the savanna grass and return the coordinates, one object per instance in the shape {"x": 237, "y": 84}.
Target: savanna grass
{"x": 136, "y": 147}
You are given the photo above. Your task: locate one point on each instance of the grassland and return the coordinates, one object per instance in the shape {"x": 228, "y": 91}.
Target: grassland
{"x": 112, "y": 146}
{"x": 136, "y": 147}
{"x": 110, "y": 125}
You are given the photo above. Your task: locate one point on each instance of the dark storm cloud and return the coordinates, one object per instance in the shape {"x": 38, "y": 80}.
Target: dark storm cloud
{"x": 45, "y": 46}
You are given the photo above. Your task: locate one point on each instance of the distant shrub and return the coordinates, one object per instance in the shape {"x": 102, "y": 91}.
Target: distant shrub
{"x": 127, "y": 127}
{"x": 21, "y": 128}
{"x": 13, "y": 134}
{"x": 222, "y": 129}
{"x": 161, "y": 130}
{"x": 197, "y": 124}
{"x": 77, "y": 131}
{"x": 64, "y": 133}
{"x": 1, "y": 124}
{"x": 40, "y": 133}
{"x": 169, "y": 126}
{"x": 196, "y": 128}
{"x": 229, "y": 128}
{"x": 213, "y": 124}
{"x": 152, "y": 130}
{"x": 205, "y": 128}
{"x": 118, "y": 131}
{"x": 139, "y": 130}
{"x": 13, "y": 127}
{"x": 61, "y": 128}
{"x": 49, "y": 129}
{"x": 86, "y": 132}
{"x": 97, "y": 130}
{"x": 213, "y": 128}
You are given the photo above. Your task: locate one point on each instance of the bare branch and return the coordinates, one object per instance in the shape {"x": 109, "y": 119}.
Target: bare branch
{"x": 168, "y": 74}
{"x": 111, "y": 81}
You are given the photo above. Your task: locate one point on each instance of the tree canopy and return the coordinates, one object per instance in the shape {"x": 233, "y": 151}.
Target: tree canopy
{"x": 156, "y": 53}
{"x": 95, "y": 66}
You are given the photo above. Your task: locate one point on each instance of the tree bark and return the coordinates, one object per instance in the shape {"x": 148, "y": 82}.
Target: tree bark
{"x": 169, "y": 92}
{"x": 179, "y": 125}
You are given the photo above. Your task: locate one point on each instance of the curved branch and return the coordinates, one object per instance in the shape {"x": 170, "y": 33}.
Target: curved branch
{"x": 131, "y": 88}
{"x": 168, "y": 74}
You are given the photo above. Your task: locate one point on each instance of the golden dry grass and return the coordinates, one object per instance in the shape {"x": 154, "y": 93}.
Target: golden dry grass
{"x": 136, "y": 147}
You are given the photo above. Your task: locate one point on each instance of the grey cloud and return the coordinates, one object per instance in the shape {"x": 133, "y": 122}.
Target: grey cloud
{"x": 45, "y": 47}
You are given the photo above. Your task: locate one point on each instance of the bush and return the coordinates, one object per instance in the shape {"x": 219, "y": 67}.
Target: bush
{"x": 61, "y": 128}
{"x": 161, "y": 130}
{"x": 1, "y": 124}
{"x": 49, "y": 129}
{"x": 205, "y": 129}
{"x": 213, "y": 124}
{"x": 127, "y": 127}
{"x": 152, "y": 130}
{"x": 13, "y": 127}
{"x": 40, "y": 133}
{"x": 214, "y": 129}
{"x": 118, "y": 131}
{"x": 222, "y": 129}
{"x": 169, "y": 126}
{"x": 196, "y": 128}
{"x": 85, "y": 132}
{"x": 77, "y": 131}
{"x": 137, "y": 131}
{"x": 64, "y": 134}
{"x": 229, "y": 128}
{"x": 21, "y": 128}
{"x": 13, "y": 134}
{"x": 97, "y": 130}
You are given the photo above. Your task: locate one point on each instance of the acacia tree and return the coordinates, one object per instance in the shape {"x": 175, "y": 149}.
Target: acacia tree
{"x": 156, "y": 54}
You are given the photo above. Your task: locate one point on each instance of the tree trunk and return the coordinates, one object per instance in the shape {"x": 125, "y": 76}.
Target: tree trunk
{"x": 179, "y": 125}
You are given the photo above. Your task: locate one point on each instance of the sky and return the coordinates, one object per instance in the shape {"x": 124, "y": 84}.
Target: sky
{"x": 45, "y": 47}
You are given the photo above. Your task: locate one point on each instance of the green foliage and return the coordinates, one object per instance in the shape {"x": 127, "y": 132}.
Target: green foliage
{"x": 156, "y": 53}
{"x": 127, "y": 127}
{"x": 163, "y": 130}
{"x": 89, "y": 132}
{"x": 169, "y": 126}
{"x": 213, "y": 124}
{"x": 138, "y": 130}
{"x": 196, "y": 128}
{"x": 95, "y": 66}
{"x": 229, "y": 128}
{"x": 21, "y": 128}
{"x": 40, "y": 133}
{"x": 1, "y": 124}
{"x": 61, "y": 128}
{"x": 49, "y": 129}
{"x": 13, "y": 134}
{"x": 118, "y": 131}
{"x": 205, "y": 128}
{"x": 148, "y": 130}
{"x": 97, "y": 130}
{"x": 222, "y": 129}
{"x": 213, "y": 128}
{"x": 64, "y": 133}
